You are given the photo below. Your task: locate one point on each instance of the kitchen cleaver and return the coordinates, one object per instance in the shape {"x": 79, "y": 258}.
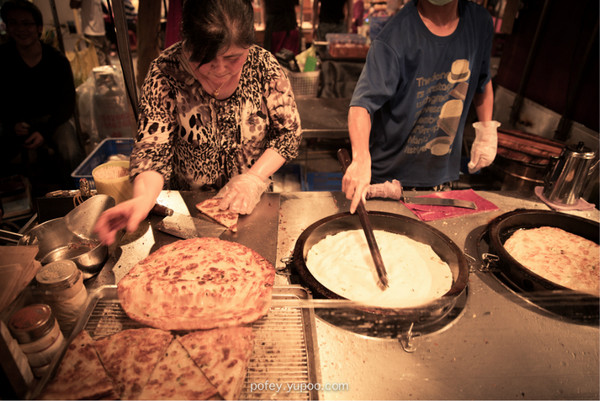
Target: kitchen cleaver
{"x": 184, "y": 226}
{"x": 440, "y": 202}
{"x": 393, "y": 190}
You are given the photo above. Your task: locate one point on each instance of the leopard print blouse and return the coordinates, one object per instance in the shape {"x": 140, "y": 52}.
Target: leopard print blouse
{"x": 198, "y": 142}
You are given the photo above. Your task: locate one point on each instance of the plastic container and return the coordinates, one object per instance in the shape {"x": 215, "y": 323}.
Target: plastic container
{"x": 61, "y": 287}
{"x": 38, "y": 333}
{"x": 345, "y": 38}
{"x": 112, "y": 111}
{"x": 347, "y": 45}
{"x": 106, "y": 150}
{"x": 112, "y": 178}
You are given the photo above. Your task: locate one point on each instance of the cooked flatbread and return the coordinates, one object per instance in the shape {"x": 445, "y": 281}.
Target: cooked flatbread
{"x": 80, "y": 375}
{"x": 199, "y": 283}
{"x": 130, "y": 356}
{"x": 176, "y": 377}
{"x": 559, "y": 256}
{"x": 210, "y": 207}
{"x": 223, "y": 356}
{"x": 343, "y": 263}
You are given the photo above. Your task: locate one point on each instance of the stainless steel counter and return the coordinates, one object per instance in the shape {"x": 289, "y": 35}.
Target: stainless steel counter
{"x": 257, "y": 231}
{"x": 499, "y": 347}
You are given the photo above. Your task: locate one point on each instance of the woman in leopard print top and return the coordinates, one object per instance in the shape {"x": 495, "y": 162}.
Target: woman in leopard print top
{"x": 216, "y": 112}
{"x": 195, "y": 138}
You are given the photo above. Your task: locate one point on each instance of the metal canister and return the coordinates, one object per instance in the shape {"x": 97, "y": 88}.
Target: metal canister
{"x": 61, "y": 286}
{"x": 567, "y": 176}
{"x": 38, "y": 333}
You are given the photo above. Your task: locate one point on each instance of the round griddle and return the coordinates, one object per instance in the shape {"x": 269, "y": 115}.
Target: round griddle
{"x": 545, "y": 293}
{"x": 416, "y": 318}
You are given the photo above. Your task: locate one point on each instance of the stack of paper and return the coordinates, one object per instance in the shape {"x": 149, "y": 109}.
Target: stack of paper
{"x": 17, "y": 268}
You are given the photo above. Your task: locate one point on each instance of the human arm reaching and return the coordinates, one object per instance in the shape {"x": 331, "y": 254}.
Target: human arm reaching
{"x": 130, "y": 213}
{"x": 357, "y": 178}
{"x": 483, "y": 150}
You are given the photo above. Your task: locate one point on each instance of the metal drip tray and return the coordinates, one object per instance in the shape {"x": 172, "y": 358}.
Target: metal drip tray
{"x": 284, "y": 362}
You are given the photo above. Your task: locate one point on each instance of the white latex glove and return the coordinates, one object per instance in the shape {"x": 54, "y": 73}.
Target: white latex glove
{"x": 485, "y": 145}
{"x": 389, "y": 189}
{"x": 242, "y": 193}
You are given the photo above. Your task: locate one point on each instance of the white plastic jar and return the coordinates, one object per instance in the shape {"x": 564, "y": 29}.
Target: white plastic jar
{"x": 61, "y": 286}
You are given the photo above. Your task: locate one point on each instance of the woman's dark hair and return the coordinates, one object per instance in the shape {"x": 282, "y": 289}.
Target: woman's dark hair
{"x": 208, "y": 26}
{"x": 22, "y": 5}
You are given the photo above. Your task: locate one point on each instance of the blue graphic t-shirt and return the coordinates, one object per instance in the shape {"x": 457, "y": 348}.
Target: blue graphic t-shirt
{"x": 418, "y": 88}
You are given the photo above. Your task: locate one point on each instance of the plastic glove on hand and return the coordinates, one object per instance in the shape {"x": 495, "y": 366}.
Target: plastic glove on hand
{"x": 485, "y": 145}
{"x": 242, "y": 193}
{"x": 389, "y": 189}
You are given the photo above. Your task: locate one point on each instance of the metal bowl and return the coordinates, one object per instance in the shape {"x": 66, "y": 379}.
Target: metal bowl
{"x": 57, "y": 242}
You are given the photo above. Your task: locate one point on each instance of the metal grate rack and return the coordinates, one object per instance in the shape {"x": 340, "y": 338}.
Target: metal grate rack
{"x": 281, "y": 357}
{"x": 284, "y": 362}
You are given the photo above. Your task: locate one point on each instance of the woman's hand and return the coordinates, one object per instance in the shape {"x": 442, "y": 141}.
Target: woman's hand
{"x": 130, "y": 213}
{"x": 242, "y": 193}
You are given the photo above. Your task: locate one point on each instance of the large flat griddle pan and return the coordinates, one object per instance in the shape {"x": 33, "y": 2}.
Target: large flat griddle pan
{"x": 550, "y": 295}
{"x": 446, "y": 249}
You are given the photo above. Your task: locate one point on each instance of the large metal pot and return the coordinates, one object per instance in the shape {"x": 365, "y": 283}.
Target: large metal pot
{"x": 547, "y": 294}
{"x": 404, "y": 317}
{"x": 56, "y": 242}
{"x": 522, "y": 160}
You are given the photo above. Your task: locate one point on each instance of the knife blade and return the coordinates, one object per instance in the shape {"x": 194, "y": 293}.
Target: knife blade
{"x": 440, "y": 202}
{"x": 184, "y": 226}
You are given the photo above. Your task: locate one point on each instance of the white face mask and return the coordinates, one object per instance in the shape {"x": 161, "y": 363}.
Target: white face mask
{"x": 439, "y": 2}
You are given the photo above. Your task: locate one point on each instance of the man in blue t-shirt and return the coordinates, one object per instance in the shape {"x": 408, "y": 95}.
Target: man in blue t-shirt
{"x": 409, "y": 107}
